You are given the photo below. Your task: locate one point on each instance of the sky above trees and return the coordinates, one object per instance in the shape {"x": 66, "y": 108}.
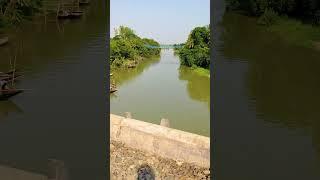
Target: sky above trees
{"x": 166, "y": 21}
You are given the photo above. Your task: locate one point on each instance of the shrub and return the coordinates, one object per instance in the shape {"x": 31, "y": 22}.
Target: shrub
{"x": 316, "y": 18}
{"x": 127, "y": 46}
{"x": 196, "y": 51}
{"x": 232, "y": 5}
{"x": 268, "y": 18}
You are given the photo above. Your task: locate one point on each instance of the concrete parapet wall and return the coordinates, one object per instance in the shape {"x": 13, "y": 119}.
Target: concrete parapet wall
{"x": 162, "y": 141}
{"x": 9, "y": 173}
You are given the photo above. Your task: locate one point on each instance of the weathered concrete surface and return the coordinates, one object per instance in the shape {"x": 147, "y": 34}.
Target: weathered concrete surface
{"x": 162, "y": 141}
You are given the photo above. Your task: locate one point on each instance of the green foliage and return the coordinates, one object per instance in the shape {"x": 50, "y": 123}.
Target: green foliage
{"x": 232, "y": 5}
{"x": 306, "y": 10}
{"x": 202, "y": 72}
{"x": 13, "y": 12}
{"x": 268, "y": 18}
{"x": 316, "y": 18}
{"x": 296, "y": 32}
{"x": 196, "y": 51}
{"x": 126, "y": 47}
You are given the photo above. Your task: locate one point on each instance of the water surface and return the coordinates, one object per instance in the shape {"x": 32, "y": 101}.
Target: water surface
{"x": 62, "y": 115}
{"x": 160, "y": 88}
{"x": 266, "y": 104}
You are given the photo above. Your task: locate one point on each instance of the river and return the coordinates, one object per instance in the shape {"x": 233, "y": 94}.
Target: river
{"x": 160, "y": 88}
{"x": 62, "y": 114}
{"x": 266, "y": 104}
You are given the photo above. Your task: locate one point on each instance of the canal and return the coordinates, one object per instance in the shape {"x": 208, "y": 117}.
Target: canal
{"x": 62, "y": 113}
{"x": 160, "y": 88}
{"x": 266, "y": 104}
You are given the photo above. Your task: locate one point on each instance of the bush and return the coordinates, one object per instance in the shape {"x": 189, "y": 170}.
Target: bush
{"x": 14, "y": 12}
{"x": 232, "y": 5}
{"x": 268, "y": 18}
{"x": 196, "y": 51}
{"x": 127, "y": 46}
{"x": 316, "y": 18}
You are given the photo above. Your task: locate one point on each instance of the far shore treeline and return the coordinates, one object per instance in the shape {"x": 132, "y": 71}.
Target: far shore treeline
{"x": 13, "y": 12}
{"x": 127, "y": 48}
{"x": 305, "y": 10}
{"x": 296, "y": 21}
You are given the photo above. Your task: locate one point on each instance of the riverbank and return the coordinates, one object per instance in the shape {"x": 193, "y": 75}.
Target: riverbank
{"x": 125, "y": 161}
{"x": 201, "y": 71}
{"x": 291, "y": 31}
{"x": 297, "y": 33}
{"x": 130, "y": 63}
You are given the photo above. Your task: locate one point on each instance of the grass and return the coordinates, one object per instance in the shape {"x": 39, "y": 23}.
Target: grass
{"x": 295, "y": 32}
{"x": 201, "y": 71}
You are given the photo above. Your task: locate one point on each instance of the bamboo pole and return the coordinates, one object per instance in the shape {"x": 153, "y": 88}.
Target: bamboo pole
{"x": 7, "y": 90}
{"x": 14, "y": 68}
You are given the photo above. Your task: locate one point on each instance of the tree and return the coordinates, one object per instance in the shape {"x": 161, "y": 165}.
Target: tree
{"x": 306, "y": 10}
{"x": 196, "y": 51}
{"x": 14, "y": 11}
{"x": 127, "y": 47}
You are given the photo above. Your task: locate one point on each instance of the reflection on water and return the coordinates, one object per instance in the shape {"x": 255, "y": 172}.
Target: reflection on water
{"x": 270, "y": 90}
{"x": 161, "y": 89}
{"x": 7, "y": 108}
{"x": 56, "y": 170}
{"x": 278, "y": 73}
{"x": 123, "y": 75}
{"x": 198, "y": 86}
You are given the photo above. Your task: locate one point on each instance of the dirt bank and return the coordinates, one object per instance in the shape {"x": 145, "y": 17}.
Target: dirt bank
{"x": 125, "y": 162}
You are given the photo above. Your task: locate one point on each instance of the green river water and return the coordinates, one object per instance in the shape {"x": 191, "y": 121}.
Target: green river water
{"x": 160, "y": 88}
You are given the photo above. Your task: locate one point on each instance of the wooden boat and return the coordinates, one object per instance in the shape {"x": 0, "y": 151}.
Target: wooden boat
{"x": 6, "y": 94}
{"x": 75, "y": 14}
{"x": 112, "y": 90}
{"x": 9, "y": 76}
{"x": 63, "y": 14}
{"x": 4, "y": 41}
{"x": 84, "y": 2}
{"x": 8, "y": 79}
{"x": 10, "y": 73}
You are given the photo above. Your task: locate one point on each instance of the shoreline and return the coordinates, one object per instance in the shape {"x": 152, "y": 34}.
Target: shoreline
{"x": 201, "y": 71}
{"x": 290, "y": 30}
{"x": 129, "y": 62}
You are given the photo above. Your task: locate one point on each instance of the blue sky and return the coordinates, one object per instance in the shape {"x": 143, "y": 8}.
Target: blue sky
{"x": 166, "y": 21}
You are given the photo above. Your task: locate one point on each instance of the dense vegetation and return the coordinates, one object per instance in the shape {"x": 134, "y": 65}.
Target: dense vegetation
{"x": 196, "y": 51}
{"x": 269, "y": 10}
{"x": 128, "y": 48}
{"x": 13, "y": 12}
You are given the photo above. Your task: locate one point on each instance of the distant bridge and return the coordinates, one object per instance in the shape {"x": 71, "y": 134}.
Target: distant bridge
{"x": 164, "y": 46}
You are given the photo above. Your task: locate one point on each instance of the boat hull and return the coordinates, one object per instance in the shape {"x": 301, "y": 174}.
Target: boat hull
{"x": 4, "y": 41}
{"x": 7, "y": 94}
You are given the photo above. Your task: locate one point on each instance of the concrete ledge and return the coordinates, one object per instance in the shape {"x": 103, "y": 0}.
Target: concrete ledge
{"x": 9, "y": 173}
{"x": 162, "y": 141}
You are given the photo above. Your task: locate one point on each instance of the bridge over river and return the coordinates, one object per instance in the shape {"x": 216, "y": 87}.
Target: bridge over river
{"x": 164, "y": 46}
